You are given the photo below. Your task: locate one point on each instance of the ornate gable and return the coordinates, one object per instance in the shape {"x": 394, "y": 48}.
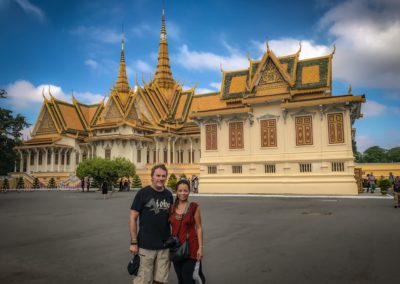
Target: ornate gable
{"x": 268, "y": 74}
{"x": 45, "y": 123}
{"x": 112, "y": 110}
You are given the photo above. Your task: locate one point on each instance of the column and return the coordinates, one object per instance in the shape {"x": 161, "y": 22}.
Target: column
{"x": 173, "y": 149}
{"x": 65, "y": 160}
{"x": 169, "y": 151}
{"x": 80, "y": 156}
{"x": 37, "y": 160}
{"x": 156, "y": 161}
{"x": 21, "y": 162}
{"x": 45, "y": 160}
{"x": 72, "y": 161}
{"x": 59, "y": 159}
{"x": 52, "y": 152}
{"x": 28, "y": 162}
{"x": 191, "y": 150}
{"x": 15, "y": 166}
{"x": 179, "y": 153}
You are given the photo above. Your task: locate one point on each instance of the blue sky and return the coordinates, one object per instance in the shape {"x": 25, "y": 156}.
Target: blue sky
{"x": 74, "y": 46}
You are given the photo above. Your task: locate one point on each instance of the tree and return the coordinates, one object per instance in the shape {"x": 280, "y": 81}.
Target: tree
{"x": 20, "y": 183}
{"x": 10, "y": 136}
{"x": 393, "y": 155}
{"x": 36, "y": 183}
{"x": 52, "y": 183}
{"x": 375, "y": 154}
{"x": 183, "y": 176}
{"x": 105, "y": 170}
{"x": 172, "y": 181}
{"x": 136, "y": 182}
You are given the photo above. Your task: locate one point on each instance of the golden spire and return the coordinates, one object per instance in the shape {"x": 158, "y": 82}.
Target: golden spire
{"x": 163, "y": 75}
{"x": 122, "y": 84}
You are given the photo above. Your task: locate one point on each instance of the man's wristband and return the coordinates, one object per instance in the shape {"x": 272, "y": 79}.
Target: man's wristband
{"x": 134, "y": 242}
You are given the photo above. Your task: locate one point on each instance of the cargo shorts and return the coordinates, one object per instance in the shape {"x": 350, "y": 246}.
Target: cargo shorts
{"x": 154, "y": 266}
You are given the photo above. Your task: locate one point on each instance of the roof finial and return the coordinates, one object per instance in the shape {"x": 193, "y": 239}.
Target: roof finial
{"x": 334, "y": 49}
{"x": 248, "y": 56}
{"x": 122, "y": 84}
{"x": 300, "y": 45}
{"x": 163, "y": 75}
{"x": 267, "y": 44}
{"x": 220, "y": 68}
{"x": 50, "y": 92}
{"x": 350, "y": 89}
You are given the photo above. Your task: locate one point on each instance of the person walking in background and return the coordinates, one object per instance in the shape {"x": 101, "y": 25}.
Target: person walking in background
{"x": 392, "y": 180}
{"x": 104, "y": 189}
{"x": 150, "y": 208}
{"x": 396, "y": 192}
{"x": 371, "y": 181}
{"x": 195, "y": 183}
{"x": 185, "y": 220}
{"x": 87, "y": 183}
{"x": 83, "y": 184}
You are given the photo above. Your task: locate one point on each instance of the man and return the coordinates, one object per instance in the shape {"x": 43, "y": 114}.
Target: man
{"x": 151, "y": 206}
{"x": 392, "y": 180}
{"x": 396, "y": 192}
{"x": 371, "y": 181}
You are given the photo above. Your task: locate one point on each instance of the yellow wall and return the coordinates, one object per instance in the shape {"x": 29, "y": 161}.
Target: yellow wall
{"x": 379, "y": 169}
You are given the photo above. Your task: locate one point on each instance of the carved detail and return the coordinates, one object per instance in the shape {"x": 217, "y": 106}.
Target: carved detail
{"x": 46, "y": 124}
{"x": 335, "y": 128}
{"x": 268, "y": 133}
{"x": 304, "y": 130}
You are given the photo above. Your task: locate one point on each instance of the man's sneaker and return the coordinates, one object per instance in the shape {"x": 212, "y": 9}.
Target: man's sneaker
{"x": 395, "y": 206}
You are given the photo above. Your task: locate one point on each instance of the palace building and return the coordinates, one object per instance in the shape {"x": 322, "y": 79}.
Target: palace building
{"x": 274, "y": 127}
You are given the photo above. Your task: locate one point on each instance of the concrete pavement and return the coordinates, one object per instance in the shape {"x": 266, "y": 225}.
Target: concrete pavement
{"x": 75, "y": 237}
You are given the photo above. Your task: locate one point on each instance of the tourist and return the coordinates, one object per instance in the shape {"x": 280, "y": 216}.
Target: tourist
{"x": 185, "y": 220}
{"x": 87, "y": 183}
{"x": 104, "y": 189}
{"x": 396, "y": 192}
{"x": 371, "y": 181}
{"x": 83, "y": 184}
{"x": 151, "y": 206}
{"x": 392, "y": 180}
{"x": 195, "y": 183}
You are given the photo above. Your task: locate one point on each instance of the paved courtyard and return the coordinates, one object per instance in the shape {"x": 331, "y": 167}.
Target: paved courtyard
{"x": 74, "y": 237}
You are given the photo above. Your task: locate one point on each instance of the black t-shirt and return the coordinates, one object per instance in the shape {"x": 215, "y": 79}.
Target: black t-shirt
{"x": 153, "y": 208}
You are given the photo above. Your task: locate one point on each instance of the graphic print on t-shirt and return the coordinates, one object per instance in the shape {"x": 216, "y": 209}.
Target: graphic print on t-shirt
{"x": 156, "y": 205}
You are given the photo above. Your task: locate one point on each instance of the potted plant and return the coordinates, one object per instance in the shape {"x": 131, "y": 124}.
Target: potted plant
{"x": 384, "y": 185}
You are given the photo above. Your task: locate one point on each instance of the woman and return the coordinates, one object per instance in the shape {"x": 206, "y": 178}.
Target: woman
{"x": 185, "y": 221}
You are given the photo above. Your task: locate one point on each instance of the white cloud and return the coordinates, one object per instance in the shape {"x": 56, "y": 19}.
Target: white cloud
{"x": 286, "y": 46}
{"x": 366, "y": 34}
{"x": 204, "y": 91}
{"x": 373, "y": 108}
{"x": 92, "y": 64}
{"x": 31, "y": 9}
{"x": 142, "y": 30}
{"x": 366, "y": 141}
{"x": 98, "y": 34}
{"x": 199, "y": 60}
{"x": 143, "y": 66}
{"x": 23, "y": 95}
{"x": 216, "y": 85}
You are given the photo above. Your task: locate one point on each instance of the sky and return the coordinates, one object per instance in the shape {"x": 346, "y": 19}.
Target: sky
{"x": 73, "y": 47}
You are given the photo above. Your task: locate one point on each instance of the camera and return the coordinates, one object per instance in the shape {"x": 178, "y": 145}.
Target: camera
{"x": 172, "y": 243}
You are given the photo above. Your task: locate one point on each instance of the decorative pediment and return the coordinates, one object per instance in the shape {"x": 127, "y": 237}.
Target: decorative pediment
{"x": 112, "y": 110}
{"x": 270, "y": 73}
{"x": 268, "y": 116}
{"x": 45, "y": 123}
{"x": 303, "y": 112}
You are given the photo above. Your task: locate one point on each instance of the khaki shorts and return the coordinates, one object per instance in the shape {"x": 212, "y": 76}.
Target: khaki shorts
{"x": 154, "y": 265}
